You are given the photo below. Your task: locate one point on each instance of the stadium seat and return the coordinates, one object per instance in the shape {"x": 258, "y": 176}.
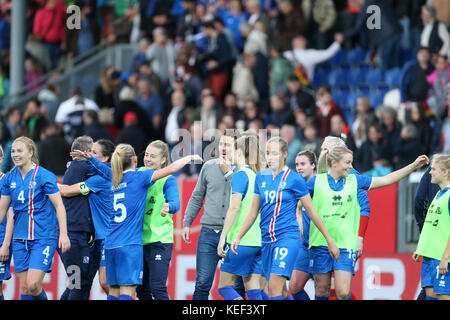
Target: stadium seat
{"x": 374, "y": 76}
{"x": 339, "y": 57}
{"x": 355, "y": 76}
{"x": 392, "y": 77}
{"x": 356, "y": 56}
{"x": 336, "y": 78}
{"x": 351, "y": 99}
{"x": 376, "y": 98}
{"x": 320, "y": 78}
{"x": 364, "y": 89}
{"x": 340, "y": 96}
{"x": 348, "y": 114}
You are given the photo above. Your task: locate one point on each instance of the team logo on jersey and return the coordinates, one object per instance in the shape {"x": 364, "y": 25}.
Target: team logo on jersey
{"x": 86, "y": 259}
{"x": 282, "y": 185}
{"x": 337, "y": 200}
{"x": 13, "y": 185}
{"x": 282, "y": 264}
{"x": 158, "y": 257}
{"x": 263, "y": 184}
{"x": 32, "y": 185}
{"x": 442, "y": 283}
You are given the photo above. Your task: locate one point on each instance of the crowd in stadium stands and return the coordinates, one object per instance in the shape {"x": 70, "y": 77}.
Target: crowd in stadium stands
{"x": 309, "y": 68}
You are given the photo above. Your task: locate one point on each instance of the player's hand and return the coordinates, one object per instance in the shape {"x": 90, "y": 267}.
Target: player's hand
{"x": 64, "y": 243}
{"x": 443, "y": 266}
{"x": 4, "y": 253}
{"x": 415, "y": 257}
{"x": 360, "y": 247}
{"x": 235, "y": 244}
{"x": 80, "y": 155}
{"x": 185, "y": 234}
{"x": 221, "y": 248}
{"x": 333, "y": 250}
{"x": 165, "y": 209}
{"x": 421, "y": 161}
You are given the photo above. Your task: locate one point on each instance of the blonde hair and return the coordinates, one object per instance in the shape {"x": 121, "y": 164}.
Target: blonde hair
{"x": 248, "y": 143}
{"x": 442, "y": 160}
{"x": 164, "y": 149}
{"x": 322, "y": 161}
{"x": 31, "y": 146}
{"x": 336, "y": 154}
{"x": 121, "y": 160}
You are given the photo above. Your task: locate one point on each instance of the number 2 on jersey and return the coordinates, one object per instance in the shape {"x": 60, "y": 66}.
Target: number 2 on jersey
{"x": 119, "y": 206}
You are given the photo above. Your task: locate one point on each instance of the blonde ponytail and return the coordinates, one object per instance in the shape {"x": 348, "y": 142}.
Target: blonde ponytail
{"x": 121, "y": 160}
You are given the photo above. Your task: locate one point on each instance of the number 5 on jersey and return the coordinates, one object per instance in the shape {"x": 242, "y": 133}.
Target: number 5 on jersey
{"x": 119, "y": 206}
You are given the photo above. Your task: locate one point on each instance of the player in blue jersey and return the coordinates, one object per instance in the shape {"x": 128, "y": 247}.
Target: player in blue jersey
{"x": 6, "y": 231}
{"x": 305, "y": 164}
{"x": 38, "y": 214}
{"x": 247, "y": 264}
{"x": 98, "y": 190}
{"x": 335, "y": 198}
{"x": 277, "y": 192}
{"x": 123, "y": 242}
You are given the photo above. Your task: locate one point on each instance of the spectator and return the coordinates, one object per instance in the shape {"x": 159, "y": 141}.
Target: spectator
{"x": 34, "y": 120}
{"x": 408, "y": 147}
{"x": 445, "y": 133}
{"x": 434, "y": 34}
{"x": 372, "y": 150}
{"x": 305, "y": 60}
{"x": 287, "y": 132}
{"x": 162, "y": 55}
{"x": 38, "y": 52}
{"x": 256, "y": 39}
{"x": 178, "y": 84}
{"x": 423, "y": 127}
{"x": 338, "y": 128}
{"x": 299, "y": 97}
{"x": 5, "y": 27}
{"x": 104, "y": 93}
{"x": 141, "y": 56}
{"x": 386, "y": 38}
{"x": 280, "y": 70}
{"x": 33, "y": 72}
{"x": 50, "y": 26}
{"x": 290, "y": 23}
{"x": 93, "y": 128}
{"x": 189, "y": 23}
{"x": 221, "y": 27}
{"x": 209, "y": 113}
{"x": 311, "y": 141}
{"x": 128, "y": 83}
{"x": 391, "y": 132}
{"x": 13, "y": 121}
{"x": 280, "y": 114}
{"x": 53, "y": 150}
{"x": 243, "y": 83}
{"x": 326, "y": 108}
{"x": 4, "y": 88}
{"x": 232, "y": 18}
{"x": 413, "y": 84}
{"x": 197, "y": 145}
{"x": 256, "y": 13}
{"x": 69, "y": 116}
{"x": 231, "y": 106}
{"x": 219, "y": 61}
{"x": 156, "y": 13}
{"x": 440, "y": 82}
{"x": 79, "y": 41}
{"x": 364, "y": 117}
{"x": 259, "y": 65}
{"x": 151, "y": 102}
{"x": 176, "y": 119}
{"x": 50, "y": 97}
{"x": 320, "y": 16}
{"x": 132, "y": 134}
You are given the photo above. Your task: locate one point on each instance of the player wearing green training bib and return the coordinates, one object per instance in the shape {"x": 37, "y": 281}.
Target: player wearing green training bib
{"x": 335, "y": 198}
{"x": 162, "y": 202}
{"x": 247, "y": 263}
{"x": 434, "y": 241}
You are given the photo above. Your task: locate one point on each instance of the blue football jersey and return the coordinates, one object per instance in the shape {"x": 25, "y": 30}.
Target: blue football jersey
{"x": 3, "y": 224}
{"x": 101, "y": 204}
{"x": 279, "y": 197}
{"x": 34, "y": 213}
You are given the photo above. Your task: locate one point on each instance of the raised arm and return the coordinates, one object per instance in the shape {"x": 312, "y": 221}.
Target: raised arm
{"x": 175, "y": 166}
{"x": 393, "y": 177}
{"x": 99, "y": 167}
{"x": 248, "y": 222}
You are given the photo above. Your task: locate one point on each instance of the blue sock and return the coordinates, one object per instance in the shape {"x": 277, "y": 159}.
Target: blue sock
{"x": 228, "y": 293}
{"x": 42, "y": 296}
{"x": 2, "y": 298}
{"x": 320, "y": 298}
{"x": 430, "y": 298}
{"x": 301, "y": 295}
{"x": 26, "y": 297}
{"x": 264, "y": 295}
{"x": 350, "y": 297}
{"x": 276, "y": 298}
{"x": 288, "y": 297}
{"x": 125, "y": 297}
{"x": 254, "y": 294}
{"x": 110, "y": 297}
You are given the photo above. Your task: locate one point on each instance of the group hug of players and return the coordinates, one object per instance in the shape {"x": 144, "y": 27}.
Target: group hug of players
{"x": 281, "y": 225}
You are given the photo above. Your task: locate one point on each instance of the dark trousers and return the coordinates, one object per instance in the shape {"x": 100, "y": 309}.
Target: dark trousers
{"x": 81, "y": 263}
{"x": 157, "y": 258}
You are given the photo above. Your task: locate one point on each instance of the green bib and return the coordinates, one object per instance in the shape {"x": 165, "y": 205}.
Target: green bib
{"x": 339, "y": 211}
{"x": 156, "y": 227}
{"x": 436, "y": 229}
{"x": 253, "y": 237}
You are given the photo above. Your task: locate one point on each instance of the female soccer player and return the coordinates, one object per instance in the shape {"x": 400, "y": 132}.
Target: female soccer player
{"x": 305, "y": 164}
{"x": 163, "y": 200}
{"x": 277, "y": 191}
{"x": 34, "y": 197}
{"x": 98, "y": 189}
{"x": 434, "y": 241}
{"x": 335, "y": 199}
{"x": 247, "y": 264}
{"x": 6, "y": 231}
{"x": 123, "y": 242}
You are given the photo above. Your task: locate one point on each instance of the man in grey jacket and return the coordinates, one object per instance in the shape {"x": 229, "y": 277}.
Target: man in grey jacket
{"x": 213, "y": 186}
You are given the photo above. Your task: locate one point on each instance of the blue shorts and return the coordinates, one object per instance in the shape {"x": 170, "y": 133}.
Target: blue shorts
{"x": 279, "y": 257}
{"x": 124, "y": 265}
{"x": 303, "y": 261}
{"x": 33, "y": 254}
{"x": 246, "y": 262}
{"x": 5, "y": 272}
{"x": 321, "y": 261}
{"x": 430, "y": 277}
